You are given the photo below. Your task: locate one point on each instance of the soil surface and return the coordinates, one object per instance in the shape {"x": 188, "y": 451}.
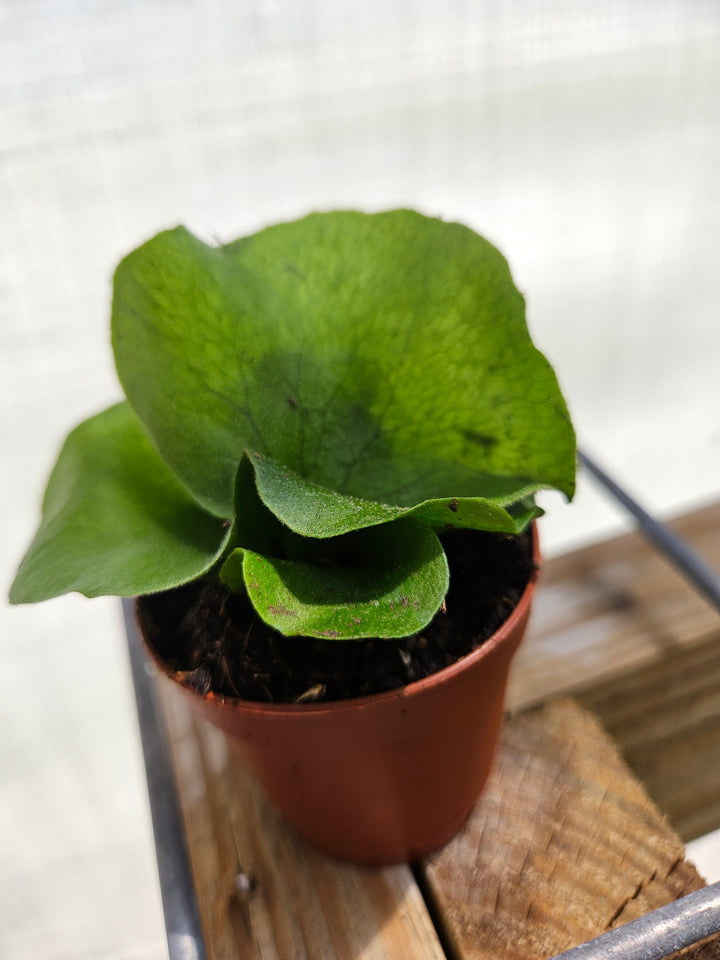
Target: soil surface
{"x": 214, "y": 640}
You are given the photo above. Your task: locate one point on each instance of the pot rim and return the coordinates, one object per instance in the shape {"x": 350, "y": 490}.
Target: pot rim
{"x": 503, "y": 633}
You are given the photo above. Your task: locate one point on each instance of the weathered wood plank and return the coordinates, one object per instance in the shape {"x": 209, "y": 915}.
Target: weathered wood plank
{"x": 564, "y": 844}
{"x": 633, "y": 641}
{"x": 611, "y": 608}
{"x": 666, "y": 719}
{"x": 293, "y": 901}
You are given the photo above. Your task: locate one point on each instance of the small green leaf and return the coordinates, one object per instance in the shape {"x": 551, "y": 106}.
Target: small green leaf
{"x": 524, "y": 512}
{"x": 115, "y": 520}
{"x": 315, "y": 511}
{"x": 394, "y": 587}
{"x": 385, "y": 357}
{"x": 474, "y": 513}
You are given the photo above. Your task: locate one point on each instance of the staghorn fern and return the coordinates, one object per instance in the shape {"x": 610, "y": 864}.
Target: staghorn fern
{"x": 306, "y": 409}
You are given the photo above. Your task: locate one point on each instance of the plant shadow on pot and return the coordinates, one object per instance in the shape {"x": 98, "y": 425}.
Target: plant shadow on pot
{"x": 378, "y": 779}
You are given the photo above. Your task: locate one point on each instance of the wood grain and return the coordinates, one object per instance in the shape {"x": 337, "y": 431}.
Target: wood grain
{"x": 294, "y": 901}
{"x": 666, "y": 719}
{"x": 563, "y": 845}
{"x": 610, "y": 608}
{"x": 632, "y": 640}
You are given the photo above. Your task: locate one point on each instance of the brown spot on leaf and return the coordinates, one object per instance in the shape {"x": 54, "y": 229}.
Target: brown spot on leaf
{"x": 453, "y": 505}
{"x": 282, "y": 611}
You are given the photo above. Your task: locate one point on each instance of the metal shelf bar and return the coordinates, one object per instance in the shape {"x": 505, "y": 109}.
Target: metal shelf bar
{"x": 692, "y": 918}
{"x": 655, "y": 936}
{"x": 705, "y": 580}
{"x": 177, "y": 888}
{"x": 658, "y": 934}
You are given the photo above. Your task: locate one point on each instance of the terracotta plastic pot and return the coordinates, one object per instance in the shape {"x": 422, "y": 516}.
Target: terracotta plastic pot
{"x": 386, "y": 778}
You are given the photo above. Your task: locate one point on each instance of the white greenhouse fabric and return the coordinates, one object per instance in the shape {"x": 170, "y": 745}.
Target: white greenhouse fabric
{"x": 583, "y": 139}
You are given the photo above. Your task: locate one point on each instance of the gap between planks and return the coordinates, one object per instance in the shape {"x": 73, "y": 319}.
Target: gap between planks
{"x": 610, "y": 608}
{"x": 303, "y": 904}
{"x": 623, "y": 631}
{"x": 494, "y": 881}
{"x": 563, "y": 845}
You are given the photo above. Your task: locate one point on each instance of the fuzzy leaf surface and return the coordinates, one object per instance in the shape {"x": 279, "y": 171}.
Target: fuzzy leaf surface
{"x": 115, "y": 520}
{"x": 315, "y": 511}
{"x": 392, "y": 583}
{"x": 381, "y": 356}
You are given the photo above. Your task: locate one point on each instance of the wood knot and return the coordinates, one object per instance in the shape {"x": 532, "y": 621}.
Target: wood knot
{"x": 244, "y": 886}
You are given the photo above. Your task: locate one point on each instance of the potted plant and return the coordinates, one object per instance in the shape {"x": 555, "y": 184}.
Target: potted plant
{"x": 321, "y": 487}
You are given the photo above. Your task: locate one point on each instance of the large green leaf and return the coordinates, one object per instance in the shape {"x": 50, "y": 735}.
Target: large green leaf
{"x": 315, "y": 511}
{"x": 385, "y": 357}
{"x": 115, "y": 520}
{"x": 388, "y": 581}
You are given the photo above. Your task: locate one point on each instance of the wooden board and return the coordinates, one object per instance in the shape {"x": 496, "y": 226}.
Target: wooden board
{"x": 563, "y": 845}
{"x": 292, "y": 901}
{"x": 666, "y": 719}
{"x": 611, "y": 608}
{"x": 631, "y": 639}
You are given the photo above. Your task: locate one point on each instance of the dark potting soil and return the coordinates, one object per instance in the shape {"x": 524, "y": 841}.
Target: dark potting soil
{"x": 214, "y": 640}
